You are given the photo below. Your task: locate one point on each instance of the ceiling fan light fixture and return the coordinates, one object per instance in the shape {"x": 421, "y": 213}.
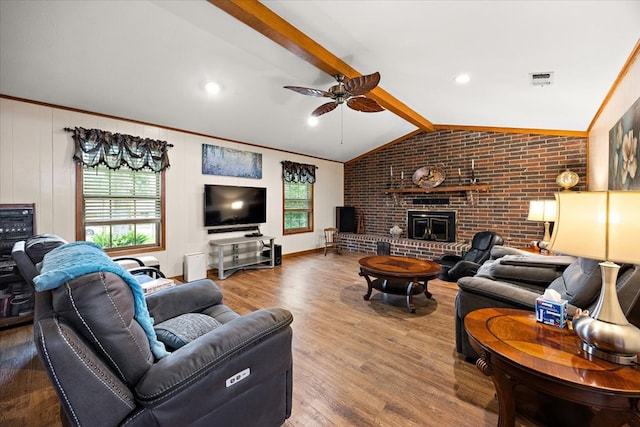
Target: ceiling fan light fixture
{"x": 312, "y": 121}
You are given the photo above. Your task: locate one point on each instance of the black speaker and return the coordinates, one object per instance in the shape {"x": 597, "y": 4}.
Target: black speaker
{"x": 383, "y": 248}
{"x": 277, "y": 252}
{"x": 346, "y": 219}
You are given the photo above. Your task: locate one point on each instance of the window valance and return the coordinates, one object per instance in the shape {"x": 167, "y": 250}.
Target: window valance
{"x": 115, "y": 150}
{"x": 298, "y": 172}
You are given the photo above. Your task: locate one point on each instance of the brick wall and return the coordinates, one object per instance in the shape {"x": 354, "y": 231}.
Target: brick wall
{"x": 518, "y": 167}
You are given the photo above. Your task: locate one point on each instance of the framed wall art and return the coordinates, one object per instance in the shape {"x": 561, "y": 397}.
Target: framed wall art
{"x": 623, "y": 151}
{"x": 230, "y": 162}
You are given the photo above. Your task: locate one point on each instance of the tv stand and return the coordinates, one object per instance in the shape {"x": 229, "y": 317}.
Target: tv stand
{"x": 241, "y": 253}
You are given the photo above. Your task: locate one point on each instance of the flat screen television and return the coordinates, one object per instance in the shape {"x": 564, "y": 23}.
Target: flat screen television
{"x": 228, "y": 205}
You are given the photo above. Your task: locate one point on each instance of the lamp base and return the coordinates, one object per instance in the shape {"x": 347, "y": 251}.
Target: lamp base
{"x": 620, "y": 359}
{"x": 606, "y": 333}
{"x": 547, "y": 235}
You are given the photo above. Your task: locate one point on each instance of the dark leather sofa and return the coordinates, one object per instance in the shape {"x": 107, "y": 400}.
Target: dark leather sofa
{"x": 514, "y": 279}
{"x": 99, "y": 360}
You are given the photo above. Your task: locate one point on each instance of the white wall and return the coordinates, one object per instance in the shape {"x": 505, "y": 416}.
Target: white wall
{"x": 36, "y": 167}
{"x": 625, "y": 94}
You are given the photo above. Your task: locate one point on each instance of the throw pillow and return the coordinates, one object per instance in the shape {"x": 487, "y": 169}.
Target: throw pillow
{"x": 183, "y": 329}
{"x": 580, "y": 283}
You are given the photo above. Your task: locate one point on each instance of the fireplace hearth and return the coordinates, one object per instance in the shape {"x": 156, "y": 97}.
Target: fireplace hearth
{"x": 437, "y": 226}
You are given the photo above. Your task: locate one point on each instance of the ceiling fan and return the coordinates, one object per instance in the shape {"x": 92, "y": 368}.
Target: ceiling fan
{"x": 352, "y": 91}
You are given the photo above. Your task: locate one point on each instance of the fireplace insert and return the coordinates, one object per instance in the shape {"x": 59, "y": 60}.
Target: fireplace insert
{"x": 438, "y": 226}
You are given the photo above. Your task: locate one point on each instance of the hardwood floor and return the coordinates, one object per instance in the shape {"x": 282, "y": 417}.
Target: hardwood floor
{"x": 356, "y": 362}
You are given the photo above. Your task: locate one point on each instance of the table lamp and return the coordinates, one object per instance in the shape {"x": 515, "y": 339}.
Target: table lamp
{"x": 543, "y": 210}
{"x": 602, "y": 225}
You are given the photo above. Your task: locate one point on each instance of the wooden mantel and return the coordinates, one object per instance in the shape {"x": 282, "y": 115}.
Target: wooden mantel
{"x": 448, "y": 189}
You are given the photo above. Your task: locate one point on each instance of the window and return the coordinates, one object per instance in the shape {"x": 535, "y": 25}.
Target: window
{"x": 119, "y": 190}
{"x": 121, "y": 209}
{"x": 297, "y": 204}
{"x": 297, "y": 207}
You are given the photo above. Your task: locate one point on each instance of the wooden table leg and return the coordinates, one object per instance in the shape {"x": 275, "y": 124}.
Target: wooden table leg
{"x": 504, "y": 390}
{"x": 369, "y": 286}
{"x": 410, "y": 306}
{"x": 506, "y": 403}
{"x": 428, "y": 294}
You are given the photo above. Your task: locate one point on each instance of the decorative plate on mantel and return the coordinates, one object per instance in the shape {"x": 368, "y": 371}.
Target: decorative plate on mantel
{"x": 428, "y": 177}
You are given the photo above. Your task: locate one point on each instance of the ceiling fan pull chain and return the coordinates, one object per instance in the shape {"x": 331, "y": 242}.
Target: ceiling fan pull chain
{"x": 341, "y": 123}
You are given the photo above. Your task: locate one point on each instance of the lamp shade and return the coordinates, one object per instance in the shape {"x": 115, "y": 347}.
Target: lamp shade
{"x": 601, "y": 225}
{"x": 542, "y": 210}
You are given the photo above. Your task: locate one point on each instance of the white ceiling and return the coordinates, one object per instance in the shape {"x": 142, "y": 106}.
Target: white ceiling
{"x": 148, "y": 61}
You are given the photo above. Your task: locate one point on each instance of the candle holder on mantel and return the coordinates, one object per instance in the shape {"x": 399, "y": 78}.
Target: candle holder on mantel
{"x": 473, "y": 179}
{"x": 393, "y": 184}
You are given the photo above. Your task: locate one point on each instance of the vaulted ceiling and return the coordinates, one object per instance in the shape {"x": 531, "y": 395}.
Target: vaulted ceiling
{"x": 149, "y": 61}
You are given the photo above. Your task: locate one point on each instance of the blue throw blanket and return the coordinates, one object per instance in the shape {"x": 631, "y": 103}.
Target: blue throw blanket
{"x": 75, "y": 259}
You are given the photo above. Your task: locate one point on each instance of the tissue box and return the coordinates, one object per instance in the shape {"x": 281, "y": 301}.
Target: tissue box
{"x": 551, "y": 312}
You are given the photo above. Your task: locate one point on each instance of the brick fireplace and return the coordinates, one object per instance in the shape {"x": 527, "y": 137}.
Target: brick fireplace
{"x": 518, "y": 167}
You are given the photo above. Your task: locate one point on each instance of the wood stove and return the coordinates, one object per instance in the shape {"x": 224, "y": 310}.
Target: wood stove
{"x": 438, "y": 226}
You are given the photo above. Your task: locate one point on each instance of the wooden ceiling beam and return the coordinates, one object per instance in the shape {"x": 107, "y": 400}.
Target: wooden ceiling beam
{"x": 265, "y": 21}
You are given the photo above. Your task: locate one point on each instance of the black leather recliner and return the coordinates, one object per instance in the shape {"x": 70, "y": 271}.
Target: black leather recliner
{"x": 28, "y": 254}
{"x": 455, "y": 267}
{"x": 224, "y": 369}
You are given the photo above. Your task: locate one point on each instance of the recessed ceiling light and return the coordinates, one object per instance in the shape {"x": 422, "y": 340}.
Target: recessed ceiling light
{"x": 312, "y": 121}
{"x": 463, "y": 78}
{"x": 212, "y": 88}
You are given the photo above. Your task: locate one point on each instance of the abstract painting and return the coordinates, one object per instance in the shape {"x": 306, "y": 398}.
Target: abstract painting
{"x": 229, "y": 162}
{"x": 623, "y": 151}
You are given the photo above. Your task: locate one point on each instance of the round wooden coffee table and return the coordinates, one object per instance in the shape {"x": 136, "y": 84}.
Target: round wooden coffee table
{"x": 398, "y": 276}
{"x": 515, "y": 349}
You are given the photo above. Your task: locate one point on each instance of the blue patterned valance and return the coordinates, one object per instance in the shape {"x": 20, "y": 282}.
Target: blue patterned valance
{"x": 298, "y": 172}
{"x": 115, "y": 150}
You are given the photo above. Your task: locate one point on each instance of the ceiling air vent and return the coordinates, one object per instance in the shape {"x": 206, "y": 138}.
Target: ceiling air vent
{"x": 541, "y": 79}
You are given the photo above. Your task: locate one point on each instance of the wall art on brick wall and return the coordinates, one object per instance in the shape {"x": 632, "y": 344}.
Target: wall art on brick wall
{"x": 624, "y": 151}
{"x": 229, "y": 162}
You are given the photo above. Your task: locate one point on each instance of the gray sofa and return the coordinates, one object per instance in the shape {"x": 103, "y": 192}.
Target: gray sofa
{"x": 514, "y": 279}
{"x": 221, "y": 369}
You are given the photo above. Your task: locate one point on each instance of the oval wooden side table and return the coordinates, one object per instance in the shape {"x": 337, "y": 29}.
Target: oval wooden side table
{"x": 515, "y": 349}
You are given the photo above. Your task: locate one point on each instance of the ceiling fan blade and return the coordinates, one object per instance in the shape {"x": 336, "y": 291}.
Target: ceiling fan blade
{"x": 366, "y": 105}
{"x": 324, "y": 108}
{"x": 363, "y": 84}
{"x": 309, "y": 91}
